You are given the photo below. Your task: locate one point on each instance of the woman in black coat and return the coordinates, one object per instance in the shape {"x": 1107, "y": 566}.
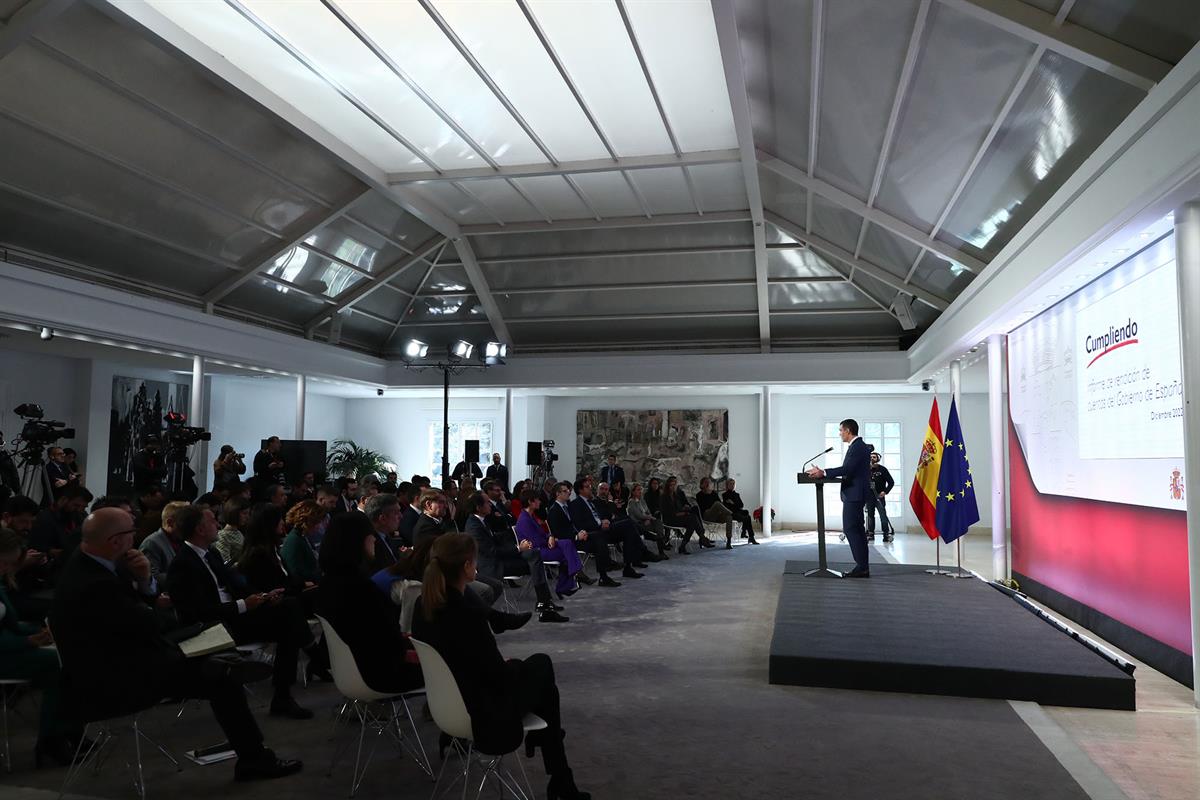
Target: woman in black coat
{"x": 363, "y": 616}
{"x": 497, "y": 693}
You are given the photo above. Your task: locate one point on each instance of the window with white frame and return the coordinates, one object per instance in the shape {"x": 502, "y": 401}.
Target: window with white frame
{"x": 885, "y": 435}
{"x": 459, "y": 433}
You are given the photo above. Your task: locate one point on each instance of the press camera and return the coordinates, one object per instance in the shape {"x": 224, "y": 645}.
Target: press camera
{"x": 38, "y": 432}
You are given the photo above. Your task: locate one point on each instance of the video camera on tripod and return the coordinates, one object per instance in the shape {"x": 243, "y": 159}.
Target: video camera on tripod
{"x": 177, "y": 438}
{"x": 545, "y": 469}
{"x": 36, "y": 435}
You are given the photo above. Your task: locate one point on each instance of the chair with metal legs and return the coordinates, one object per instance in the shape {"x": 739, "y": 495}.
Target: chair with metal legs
{"x": 13, "y": 687}
{"x": 450, "y": 714}
{"x": 378, "y": 712}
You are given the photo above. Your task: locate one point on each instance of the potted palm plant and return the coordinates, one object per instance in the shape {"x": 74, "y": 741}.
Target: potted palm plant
{"x": 347, "y": 459}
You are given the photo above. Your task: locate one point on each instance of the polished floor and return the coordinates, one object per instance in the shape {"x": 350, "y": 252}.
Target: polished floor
{"x": 665, "y": 695}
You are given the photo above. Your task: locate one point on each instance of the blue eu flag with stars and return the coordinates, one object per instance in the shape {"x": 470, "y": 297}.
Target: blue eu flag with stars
{"x": 956, "y": 506}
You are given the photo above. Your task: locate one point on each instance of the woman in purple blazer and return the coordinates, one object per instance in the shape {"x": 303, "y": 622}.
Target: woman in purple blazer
{"x": 561, "y": 550}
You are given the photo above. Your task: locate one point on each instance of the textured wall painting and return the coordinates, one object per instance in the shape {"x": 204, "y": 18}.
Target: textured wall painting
{"x": 689, "y": 444}
{"x": 138, "y": 406}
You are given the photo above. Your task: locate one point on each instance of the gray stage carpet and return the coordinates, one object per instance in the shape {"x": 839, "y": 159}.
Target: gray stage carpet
{"x": 665, "y": 695}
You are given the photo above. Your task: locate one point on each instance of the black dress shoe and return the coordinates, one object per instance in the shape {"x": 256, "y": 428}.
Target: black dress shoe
{"x": 707, "y": 543}
{"x": 630, "y": 572}
{"x": 608, "y": 582}
{"x": 265, "y": 767}
{"x": 728, "y": 544}
{"x": 286, "y": 706}
{"x": 511, "y": 622}
{"x": 753, "y": 540}
{"x": 550, "y": 615}
{"x": 857, "y": 573}
{"x": 638, "y": 565}
{"x": 584, "y": 578}
{"x": 567, "y": 593}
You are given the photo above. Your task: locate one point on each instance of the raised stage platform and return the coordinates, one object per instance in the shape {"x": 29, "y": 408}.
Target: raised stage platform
{"x": 903, "y": 630}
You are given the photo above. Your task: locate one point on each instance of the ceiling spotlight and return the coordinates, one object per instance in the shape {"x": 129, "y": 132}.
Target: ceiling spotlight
{"x": 494, "y": 353}
{"x": 46, "y": 334}
{"x": 461, "y": 349}
{"x": 414, "y": 349}
{"x": 1144, "y": 235}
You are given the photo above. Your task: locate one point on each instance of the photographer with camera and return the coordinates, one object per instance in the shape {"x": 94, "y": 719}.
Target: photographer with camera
{"x": 268, "y": 466}
{"x": 229, "y": 467}
{"x": 149, "y": 469}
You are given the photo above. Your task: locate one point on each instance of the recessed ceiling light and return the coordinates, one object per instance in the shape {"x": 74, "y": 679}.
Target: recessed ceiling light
{"x": 1144, "y": 235}
{"x": 1101, "y": 263}
{"x": 1121, "y": 251}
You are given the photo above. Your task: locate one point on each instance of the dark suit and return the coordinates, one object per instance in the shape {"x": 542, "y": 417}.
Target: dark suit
{"x": 197, "y": 598}
{"x": 344, "y": 505}
{"x": 384, "y": 555}
{"x": 498, "y": 555}
{"x": 597, "y": 542}
{"x": 498, "y": 473}
{"x": 408, "y": 521}
{"x": 116, "y": 662}
{"x": 611, "y": 474}
{"x": 462, "y": 469}
{"x": 369, "y": 624}
{"x": 496, "y": 692}
{"x": 857, "y": 491}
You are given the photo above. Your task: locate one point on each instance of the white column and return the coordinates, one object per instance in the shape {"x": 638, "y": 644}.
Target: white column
{"x": 995, "y": 356}
{"x": 765, "y": 476}
{"x": 196, "y": 418}
{"x": 956, "y": 384}
{"x": 508, "y": 435}
{"x": 301, "y": 395}
{"x": 1187, "y": 252}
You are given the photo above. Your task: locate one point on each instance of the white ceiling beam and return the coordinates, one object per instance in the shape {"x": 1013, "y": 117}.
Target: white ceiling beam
{"x": 725, "y": 15}
{"x": 846, "y": 257}
{"x": 898, "y": 104}
{"x": 362, "y": 289}
{"x": 721, "y": 283}
{"x": 479, "y": 283}
{"x": 1071, "y": 41}
{"x": 816, "y": 59}
{"x": 699, "y": 250}
{"x": 570, "y": 167}
{"x": 873, "y": 215}
{"x": 314, "y": 221}
{"x": 608, "y": 222}
{"x": 654, "y": 316}
{"x": 28, "y": 19}
{"x": 413, "y": 297}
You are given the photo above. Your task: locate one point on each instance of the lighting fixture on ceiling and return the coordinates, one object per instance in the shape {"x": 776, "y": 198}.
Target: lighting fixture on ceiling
{"x": 461, "y": 350}
{"x": 46, "y": 334}
{"x": 414, "y": 349}
{"x": 494, "y": 353}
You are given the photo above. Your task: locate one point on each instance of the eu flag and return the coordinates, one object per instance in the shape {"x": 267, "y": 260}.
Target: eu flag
{"x": 956, "y": 506}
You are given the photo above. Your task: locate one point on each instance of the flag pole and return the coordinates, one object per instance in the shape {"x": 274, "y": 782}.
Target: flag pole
{"x": 961, "y": 573}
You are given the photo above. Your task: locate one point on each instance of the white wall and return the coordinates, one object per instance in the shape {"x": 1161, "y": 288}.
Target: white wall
{"x": 744, "y": 465}
{"x": 798, "y": 423}
{"x": 399, "y": 427}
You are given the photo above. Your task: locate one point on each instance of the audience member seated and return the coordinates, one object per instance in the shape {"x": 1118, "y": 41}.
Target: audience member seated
{"x": 650, "y": 526}
{"x": 713, "y": 510}
{"x": 161, "y": 546}
{"x": 203, "y": 589}
{"x": 304, "y": 489}
{"x": 56, "y": 529}
{"x": 307, "y": 522}
{"x": 361, "y": 615}
{"x": 515, "y": 506}
{"x": 619, "y": 493}
{"x": 653, "y": 495}
{"x": 621, "y": 530}
{"x": 32, "y": 579}
{"x": 230, "y": 540}
{"x": 347, "y": 499}
{"x": 529, "y": 529}
{"x": 548, "y": 489}
{"x": 274, "y": 494}
{"x": 116, "y": 661}
{"x": 391, "y": 483}
{"x": 71, "y": 461}
{"x": 408, "y": 519}
{"x": 25, "y": 655}
{"x": 678, "y": 513}
{"x": 593, "y": 532}
{"x": 733, "y": 501}
{"x": 497, "y": 693}
{"x": 327, "y": 497}
{"x": 383, "y": 512}
{"x": 500, "y": 555}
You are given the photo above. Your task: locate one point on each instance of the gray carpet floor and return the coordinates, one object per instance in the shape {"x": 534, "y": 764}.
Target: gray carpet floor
{"x": 665, "y": 695}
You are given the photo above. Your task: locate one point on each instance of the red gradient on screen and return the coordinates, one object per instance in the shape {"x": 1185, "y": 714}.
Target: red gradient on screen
{"x": 1128, "y": 562}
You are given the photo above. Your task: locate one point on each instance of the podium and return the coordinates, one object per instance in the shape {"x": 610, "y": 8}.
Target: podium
{"x": 822, "y": 570}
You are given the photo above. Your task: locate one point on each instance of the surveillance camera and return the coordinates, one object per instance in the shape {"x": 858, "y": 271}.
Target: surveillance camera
{"x": 925, "y": 386}
{"x": 379, "y": 392}
{"x": 46, "y": 334}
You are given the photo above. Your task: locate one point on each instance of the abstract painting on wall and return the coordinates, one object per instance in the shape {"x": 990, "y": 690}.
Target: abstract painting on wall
{"x": 138, "y": 406}
{"x": 689, "y": 444}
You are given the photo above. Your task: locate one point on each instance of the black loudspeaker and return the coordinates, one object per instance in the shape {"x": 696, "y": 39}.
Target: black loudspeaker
{"x": 533, "y": 454}
{"x": 301, "y": 456}
{"x": 471, "y": 450}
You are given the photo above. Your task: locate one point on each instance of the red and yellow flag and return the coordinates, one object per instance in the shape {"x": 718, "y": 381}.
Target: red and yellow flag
{"x": 923, "y": 495}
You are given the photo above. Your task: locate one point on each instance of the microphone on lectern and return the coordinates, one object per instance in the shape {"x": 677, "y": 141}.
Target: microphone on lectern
{"x": 814, "y": 458}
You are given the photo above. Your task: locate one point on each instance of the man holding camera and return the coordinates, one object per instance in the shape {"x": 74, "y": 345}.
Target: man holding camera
{"x": 268, "y": 466}
{"x": 229, "y": 467}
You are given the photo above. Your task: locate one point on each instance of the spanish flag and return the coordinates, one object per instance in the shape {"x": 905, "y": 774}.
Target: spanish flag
{"x": 924, "y": 493}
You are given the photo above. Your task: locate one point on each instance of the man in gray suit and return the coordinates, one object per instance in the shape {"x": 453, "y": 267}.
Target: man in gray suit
{"x": 161, "y": 546}
{"x": 499, "y": 555}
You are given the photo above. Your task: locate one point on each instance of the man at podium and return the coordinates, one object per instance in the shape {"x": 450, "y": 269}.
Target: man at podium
{"x": 855, "y": 473}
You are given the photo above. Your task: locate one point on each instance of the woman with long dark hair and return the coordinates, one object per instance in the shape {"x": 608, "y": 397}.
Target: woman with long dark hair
{"x": 363, "y": 616}
{"x": 497, "y": 693}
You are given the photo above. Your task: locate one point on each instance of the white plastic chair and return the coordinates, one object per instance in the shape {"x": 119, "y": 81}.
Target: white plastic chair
{"x": 376, "y": 711}
{"x": 450, "y": 713}
{"x": 405, "y": 594}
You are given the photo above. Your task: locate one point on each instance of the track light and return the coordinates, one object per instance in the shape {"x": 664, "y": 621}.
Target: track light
{"x": 461, "y": 350}
{"x": 494, "y": 353}
{"x": 415, "y": 348}
{"x": 46, "y": 334}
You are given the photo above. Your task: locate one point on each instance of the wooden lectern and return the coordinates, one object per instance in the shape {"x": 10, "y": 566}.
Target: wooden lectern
{"x": 822, "y": 570}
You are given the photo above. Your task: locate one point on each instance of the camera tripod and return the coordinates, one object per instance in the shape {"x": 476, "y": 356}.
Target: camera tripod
{"x": 176, "y": 461}
{"x": 34, "y": 476}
